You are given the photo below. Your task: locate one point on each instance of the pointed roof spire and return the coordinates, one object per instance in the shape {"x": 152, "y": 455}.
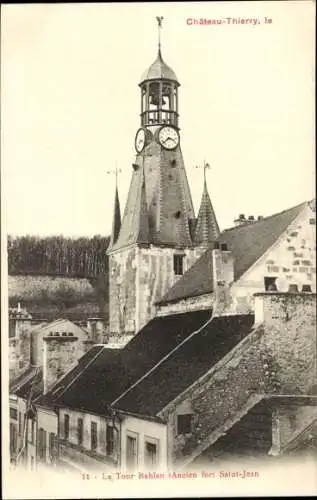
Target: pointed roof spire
{"x": 135, "y": 226}
{"x": 207, "y": 229}
{"x": 116, "y": 222}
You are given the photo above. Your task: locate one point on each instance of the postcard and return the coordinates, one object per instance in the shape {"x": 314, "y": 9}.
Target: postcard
{"x": 158, "y": 245}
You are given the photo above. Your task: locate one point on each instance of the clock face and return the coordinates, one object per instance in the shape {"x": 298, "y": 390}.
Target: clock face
{"x": 168, "y": 137}
{"x": 140, "y": 140}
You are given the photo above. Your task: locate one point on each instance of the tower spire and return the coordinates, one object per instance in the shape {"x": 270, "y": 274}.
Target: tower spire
{"x": 116, "y": 221}
{"x": 207, "y": 229}
{"x": 159, "y": 27}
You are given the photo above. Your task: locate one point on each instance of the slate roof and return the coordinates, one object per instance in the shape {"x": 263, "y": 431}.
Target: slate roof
{"x": 116, "y": 222}
{"x": 247, "y": 243}
{"x": 159, "y": 206}
{"x": 22, "y": 385}
{"x": 186, "y": 364}
{"x": 114, "y": 371}
{"x": 159, "y": 70}
{"x": 207, "y": 229}
{"x": 67, "y": 379}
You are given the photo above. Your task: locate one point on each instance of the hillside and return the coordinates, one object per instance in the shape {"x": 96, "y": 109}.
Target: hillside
{"x": 59, "y": 277}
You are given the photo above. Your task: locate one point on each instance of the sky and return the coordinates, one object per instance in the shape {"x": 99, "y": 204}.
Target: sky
{"x": 71, "y": 104}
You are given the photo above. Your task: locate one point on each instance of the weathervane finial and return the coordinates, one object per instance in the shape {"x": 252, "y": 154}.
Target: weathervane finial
{"x": 159, "y": 26}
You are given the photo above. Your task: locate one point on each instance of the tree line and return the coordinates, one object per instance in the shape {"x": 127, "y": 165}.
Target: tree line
{"x": 58, "y": 255}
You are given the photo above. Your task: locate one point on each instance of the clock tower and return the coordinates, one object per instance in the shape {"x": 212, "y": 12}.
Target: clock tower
{"x": 159, "y": 237}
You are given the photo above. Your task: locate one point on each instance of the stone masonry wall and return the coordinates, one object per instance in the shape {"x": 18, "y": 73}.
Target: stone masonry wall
{"x": 59, "y": 356}
{"x": 278, "y": 357}
{"x": 139, "y": 277}
{"x": 291, "y": 260}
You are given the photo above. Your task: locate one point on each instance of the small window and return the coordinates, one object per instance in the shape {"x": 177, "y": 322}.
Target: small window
{"x": 109, "y": 440}
{"x": 80, "y": 430}
{"x": 184, "y": 424}
{"x": 14, "y": 413}
{"x": 20, "y": 423}
{"x": 66, "y": 426}
{"x": 270, "y": 284}
{"x": 94, "y": 437}
{"x": 131, "y": 455}
{"x": 52, "y": 446}
{"x": 42, "y": 444}
{"x": 32, "y": 431}
{"x": 178, "y": 264}
{"x": 150, "y": 455}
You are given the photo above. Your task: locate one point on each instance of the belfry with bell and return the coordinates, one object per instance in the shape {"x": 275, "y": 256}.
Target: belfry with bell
{"x": 159, "y": 238}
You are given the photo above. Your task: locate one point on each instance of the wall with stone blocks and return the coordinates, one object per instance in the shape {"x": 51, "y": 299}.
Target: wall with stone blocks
{"x": 138, "y": 277}
{"x": 277, "y": 357}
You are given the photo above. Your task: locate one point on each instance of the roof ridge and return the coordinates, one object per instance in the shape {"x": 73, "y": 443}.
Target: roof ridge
{"x": 78, "y": 375}
{"x": 163, "y": 359}
{"x": 266, "y": 218}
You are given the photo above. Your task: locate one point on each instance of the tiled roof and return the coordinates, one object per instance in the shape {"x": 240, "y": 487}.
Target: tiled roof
{"x": 247, "y": 243}
{"x": 69, "y": 377}
{"x": 159, "y": 207}
{"x": 207, "y": 229}
{"x": 186, "y": 364}
{"x": 114, "y": 371}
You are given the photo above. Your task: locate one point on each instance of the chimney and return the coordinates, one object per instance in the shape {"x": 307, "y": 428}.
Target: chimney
{"x": 59, "y": 355}
{"x": 241, "y": 220}
{"x": 223, "y": 276}
{"x": 251, "y": 218}
{"x": 260, "y": 217}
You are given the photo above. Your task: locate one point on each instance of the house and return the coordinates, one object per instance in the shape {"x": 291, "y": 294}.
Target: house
{"x": 273, "y": 253}
{"x": 212, "y": 334}
{"x": 169, "y": 397}
{"x": 52, "y": 350}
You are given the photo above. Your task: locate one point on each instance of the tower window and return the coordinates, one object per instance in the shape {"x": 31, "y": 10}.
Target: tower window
{"x": 269, "y": 284}
{"x": 177, "y": 214}
{"x": 178, "y": 264}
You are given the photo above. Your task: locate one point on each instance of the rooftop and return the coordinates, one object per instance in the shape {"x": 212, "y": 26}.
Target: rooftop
{"x": 247, "y": 243}
{"x": 159, "y": 70}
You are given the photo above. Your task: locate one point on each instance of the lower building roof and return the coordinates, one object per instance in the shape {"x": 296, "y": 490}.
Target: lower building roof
{"x": 186, "y": 364}
{"x": 114, "y": 371}
{"x": 247, "y": 243}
